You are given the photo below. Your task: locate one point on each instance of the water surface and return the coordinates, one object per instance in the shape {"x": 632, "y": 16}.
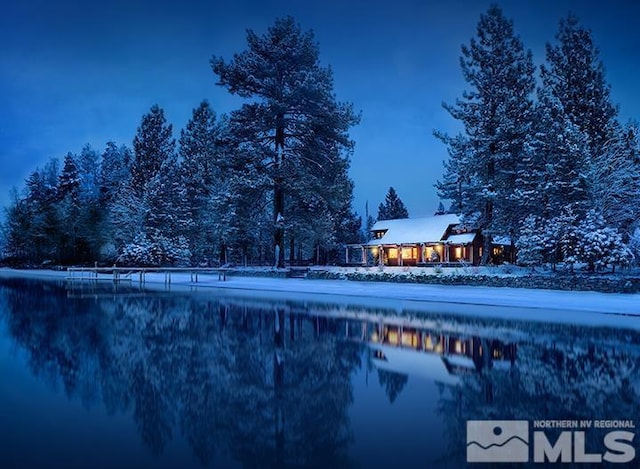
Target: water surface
{"x": 98, "y": 376}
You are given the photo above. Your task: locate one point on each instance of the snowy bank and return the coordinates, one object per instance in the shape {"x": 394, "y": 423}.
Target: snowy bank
{"x": 594, "y": 308}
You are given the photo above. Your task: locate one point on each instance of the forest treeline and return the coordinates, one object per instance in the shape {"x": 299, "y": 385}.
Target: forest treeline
{"x": 542, "y": 159}
{"x": 268, "y": 179}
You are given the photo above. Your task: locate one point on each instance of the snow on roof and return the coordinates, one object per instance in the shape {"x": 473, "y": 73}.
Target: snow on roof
{"x": 414, "y": 230}
{"x": 464, "y": 238}
{"x": 504, "y": 240}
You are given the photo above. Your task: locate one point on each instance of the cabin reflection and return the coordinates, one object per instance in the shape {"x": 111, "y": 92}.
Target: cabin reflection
{"x": 436, "y": 354}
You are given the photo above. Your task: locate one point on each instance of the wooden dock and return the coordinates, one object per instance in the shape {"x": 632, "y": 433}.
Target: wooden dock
{"x": 119, "y": 274}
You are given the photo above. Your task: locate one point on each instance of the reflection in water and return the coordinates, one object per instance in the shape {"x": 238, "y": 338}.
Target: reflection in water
{"x": 270, "y": 383}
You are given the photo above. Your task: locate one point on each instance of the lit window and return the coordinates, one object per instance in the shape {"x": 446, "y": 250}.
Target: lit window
{"x": 458, "y": 253}
{"x": 393, "y": 253}
{"x": 428, "y": 343}
{"x": 407, "y": 253}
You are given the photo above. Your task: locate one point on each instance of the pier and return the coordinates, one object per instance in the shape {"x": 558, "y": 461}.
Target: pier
{"x": 119, "y": 274}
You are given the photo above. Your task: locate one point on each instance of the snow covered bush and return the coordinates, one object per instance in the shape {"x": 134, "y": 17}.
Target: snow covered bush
{"x": 156, "y": 251}
{"x": 599, "y": 245}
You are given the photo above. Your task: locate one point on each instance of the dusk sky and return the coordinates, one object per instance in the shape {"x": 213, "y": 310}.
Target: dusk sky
{"x": 76, "y": 72}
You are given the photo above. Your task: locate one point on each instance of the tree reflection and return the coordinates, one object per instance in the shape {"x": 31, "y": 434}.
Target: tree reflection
{"x": 561, "y": 373}
{"x": 393, "y": 383}
{"x": 269, "y": 385}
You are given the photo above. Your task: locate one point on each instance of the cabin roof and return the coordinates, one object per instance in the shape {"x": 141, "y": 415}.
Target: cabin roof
{"x": 464, "y": 238}
{"x": 414, "y": 230}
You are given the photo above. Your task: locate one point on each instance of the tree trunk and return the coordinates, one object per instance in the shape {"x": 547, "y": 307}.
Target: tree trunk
{"x": 486, "y": 249}
{"x": 278, "y": 208}
{"x": 292, "y": 249}
{"x": 278, "y": 191}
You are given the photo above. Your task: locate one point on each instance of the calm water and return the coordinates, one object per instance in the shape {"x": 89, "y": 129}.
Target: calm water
{"x": 97, "y": 377}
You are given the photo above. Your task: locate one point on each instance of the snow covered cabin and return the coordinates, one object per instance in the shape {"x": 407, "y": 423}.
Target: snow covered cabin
{"x": 421, "y": 241}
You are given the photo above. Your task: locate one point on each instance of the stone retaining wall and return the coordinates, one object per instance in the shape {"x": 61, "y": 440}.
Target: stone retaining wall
{"x": 611, "y": 284}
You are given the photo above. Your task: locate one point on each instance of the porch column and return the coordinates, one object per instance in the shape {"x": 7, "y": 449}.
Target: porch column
{"x": 346, "y": 254}
{"x": 381, "y": 255}
{"x": 400, "y": 255}
{"x": 446, "y": 252}
{"x": 364, "y": 255}
{"x": 422, "y": 253}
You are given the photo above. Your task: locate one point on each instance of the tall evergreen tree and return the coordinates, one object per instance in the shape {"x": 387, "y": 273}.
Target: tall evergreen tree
{"x": 42, "y": 227}
{"x": 15, "y": 229}
{"x": 496, "y": 115}
{"x": 293, "y": 110}
{"x": 68, "y": 208}
{"x": 114, "y": 171}
{"x": 201, "y": 150}
{"x": 614, "y": 181}
{"x": 92, "y": 216}
{"x": 69, "y": 180}
{"x": 152, "y": 145}
{"x": 554, "y": 174}
{"x": 456, "y": 179}
{"x": 575, "y": 76}
{"x": 392, "y": 208}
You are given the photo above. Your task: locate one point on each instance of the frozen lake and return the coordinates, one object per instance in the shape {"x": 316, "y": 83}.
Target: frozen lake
{"x": 98, "y": 376}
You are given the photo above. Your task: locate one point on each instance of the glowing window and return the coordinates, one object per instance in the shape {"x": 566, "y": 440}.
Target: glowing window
{"x": 393, "y": 253}
{"x": 408, "y": 253}
{"x": 428, "y": 343}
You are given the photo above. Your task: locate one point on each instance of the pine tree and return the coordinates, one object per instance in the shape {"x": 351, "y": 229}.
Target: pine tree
{"x": 294, "y": 121}
{"x": 236, "y": 214}
{"x": 168, "y": 217}
{"x": 152, "y": 145}
{"x": 91, "y": 229}
{"x": 114, "y": 172}
{"x": 531, "y": 243}
{"x": 392, "y": 208}
{"x": 202, "y": 168}
{"x": 565, "y": 234}
{"x": 614, "y": 180}
{"x": 456, "y": 179}
{"x": 69, "y": 180}
{"x": 554, "y": 175}
{"x": 576, "y": 77}
{"x": 482, "y": 173}
{"x": 42, "y": 227}
{"x": 68, "y": 209}
{"x": 16, "y": 228}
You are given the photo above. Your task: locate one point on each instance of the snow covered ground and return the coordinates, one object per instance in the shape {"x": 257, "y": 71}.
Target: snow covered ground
{"x": 589, "y": 308}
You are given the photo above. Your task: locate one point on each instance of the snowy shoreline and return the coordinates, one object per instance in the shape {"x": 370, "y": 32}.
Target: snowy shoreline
{"x": 539, "y": 304}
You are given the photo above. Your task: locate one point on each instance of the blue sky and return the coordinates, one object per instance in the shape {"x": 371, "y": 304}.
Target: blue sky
{"x": 76, "y": 72}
